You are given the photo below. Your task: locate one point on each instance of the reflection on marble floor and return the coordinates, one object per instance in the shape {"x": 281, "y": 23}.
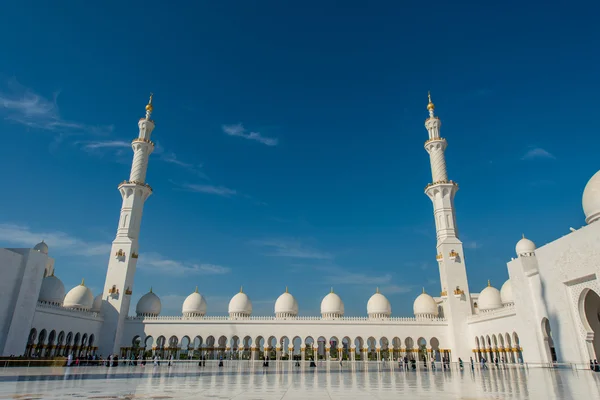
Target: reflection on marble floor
{"x": 240, "y": 382}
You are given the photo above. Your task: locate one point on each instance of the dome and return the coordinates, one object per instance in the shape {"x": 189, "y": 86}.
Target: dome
{"x": 489, "y": 298}
{"x": 42, "y": 247}
{"x": 378, "y": 306}
{"x": 591, "y": 199}
{"x": 79, "y": 297}
{"x": 240, "y": 305}
{"x": 506, "y": 293}
{"x": 52, "y": 291}
{"x": 286, "y": 305}
{"x": 97, "y": 304}
{"x": 148, "y": 305}
{"x": 332, "y": 306}
{"x": 425, "y": 306}
{"x": 194, "y": 305}
{"x": 525, "y": 247}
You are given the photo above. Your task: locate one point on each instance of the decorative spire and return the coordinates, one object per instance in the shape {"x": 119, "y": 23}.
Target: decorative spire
{"x": 489, "y": 283}
{"x": 82, "y": 282}
{"x": 423, "y": 289}
{"x": 196, "y": 289}
{"x": 331, "y": 290}
{"x": 150, "y": 289}
{"x": 523, "y": 235}
{"x": 52, "y": 274}
{"x": 286, "y": 289}
{"x": 149, "y": 107}
{"x": 430, "y": 105}
{"x": 241, "y": 289}
{"x": 377, "y": 290}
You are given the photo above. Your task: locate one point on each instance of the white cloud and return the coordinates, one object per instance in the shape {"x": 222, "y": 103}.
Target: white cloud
{"x": 209, "y": 189}
{"x": 538, "y": 153}
{"x": 23, "y": 106}
{"x": 471, "y": 244}
{"x": 240, "y": 131}
{"x": 107, "y": 144}
{"x": 154, "y": 262}
{"x": 21, "y": 235}
{"x": 395, "y": 289}
{"x": 290, "y": 248}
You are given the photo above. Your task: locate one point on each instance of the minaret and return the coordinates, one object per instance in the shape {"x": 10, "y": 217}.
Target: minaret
{"x": 125, "y": 248}
{"x": 450, "y": 255}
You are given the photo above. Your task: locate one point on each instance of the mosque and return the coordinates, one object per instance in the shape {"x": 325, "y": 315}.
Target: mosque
{"x": 547, "y": 311}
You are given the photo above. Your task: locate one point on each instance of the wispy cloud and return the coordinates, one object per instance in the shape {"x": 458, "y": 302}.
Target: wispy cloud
{"x": 154, "y": 262}
{"x": 24, "y": 106}
{"x": 395, "y": 289}
{"x": 240, "y": 131}
{"x": 23, "y": 236}
{"x": 538, "y": 153}
{"x": 290, "y": 248}
{"x": 209, "y": 189}
{"x": 471, "y": 244}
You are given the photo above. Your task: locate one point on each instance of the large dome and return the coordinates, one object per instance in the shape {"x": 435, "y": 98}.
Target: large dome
{"x": 525, "y": 247}
{"x": 42, "y": 247}
{"x": 194, "y": 305}
{"x": 379, "y": 306}
{"x": 332, "y": 306}
{"x": 52, "y": 291}
{"x": 240, "y": 305}
{"x": 425, "y": 306}
{"x": 489, "y": 298}
{"x": 591, "y": 199}
{"x": 286, "y": 305}
{"x": 148, "y": 305}
{"x": 506, "y": 293}
{"x": 80, "y": 297}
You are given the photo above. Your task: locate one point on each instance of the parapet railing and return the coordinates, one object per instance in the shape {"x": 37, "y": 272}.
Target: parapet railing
{"x": 49, "y": 306}
{"x": 272, "y": 318}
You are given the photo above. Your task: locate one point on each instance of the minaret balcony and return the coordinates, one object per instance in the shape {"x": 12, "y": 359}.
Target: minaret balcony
{"x": 453, "y": 255}
{"x": 441, "y": 183}
{"x": 444, "y": 293}
{"x": 439, "y": 257}
{"x": 135, "y": 183}
{"x": 142, "y": 140}
{"x": 120, "y": 255}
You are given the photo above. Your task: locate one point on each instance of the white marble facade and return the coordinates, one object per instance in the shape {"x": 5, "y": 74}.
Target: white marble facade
{"x": 548, "y": 310}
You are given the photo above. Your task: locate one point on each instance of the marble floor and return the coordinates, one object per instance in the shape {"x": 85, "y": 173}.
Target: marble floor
{"x": 245, "y": 382}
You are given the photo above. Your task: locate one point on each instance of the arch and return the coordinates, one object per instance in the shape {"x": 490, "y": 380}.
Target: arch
{"x": 517, "y": 346}
{"x": 589, "y": 312}
{"x": 435, "y": 349}
{"x": 259, "y": 342}
{"x": 359, "y": 345}
{"x": 297, "y": 343}
{"x": 148, "y": 344}
{"x": 136, "y": 343}
{"x": 346, "y": 347}
{"x": 548, "y": 342}
{"x": 321, "y": 344}
{"x": 173, "y": 342}
{"x": 92, "y": 340}
{"x": 422, "y": 348}
{"x": 160, "y": 345}
{"x": 185, "y": 347}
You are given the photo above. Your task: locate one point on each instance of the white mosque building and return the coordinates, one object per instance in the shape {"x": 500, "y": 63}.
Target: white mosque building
{"x": 547, "y": 311}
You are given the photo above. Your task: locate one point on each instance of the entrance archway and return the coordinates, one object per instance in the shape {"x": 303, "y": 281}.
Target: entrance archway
{"x": 548, "y": 342}
{"x": 589, "y": 310}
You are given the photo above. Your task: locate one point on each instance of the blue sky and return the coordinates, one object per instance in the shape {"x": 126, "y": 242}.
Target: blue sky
{"x": 290, "y": 140}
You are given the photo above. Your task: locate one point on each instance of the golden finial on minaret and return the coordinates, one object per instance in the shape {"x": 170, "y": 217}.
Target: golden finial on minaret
{"x": 489, "y": 283}
{"x": 149, "y": 106}
{"x": 241, "y": 289}
{"x": 331, "y": 290}
{"x": 423, "y": 289}
{"x": 286, "y": 289}
{"x": 196, "y": 289}
{"x": 377, "y": 290}
{"x": 430, "y": 106}
{"x": 82, "y": 282}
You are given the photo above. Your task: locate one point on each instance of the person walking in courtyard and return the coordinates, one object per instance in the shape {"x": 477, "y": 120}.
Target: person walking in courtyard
{"x": 460, "y": 363}
{"x": 472, "y": 364}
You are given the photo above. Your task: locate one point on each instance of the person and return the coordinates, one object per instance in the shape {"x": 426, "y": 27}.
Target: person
{"x": 596, "y": 366}
{"x": 297, "y": 362}
{"x": 432, "y": 363}
{"x": 406, "y": 363}
{"x": 460, "y": 363}
{"x": 170, "y": 360}
{"x": 221, "y": 361}
{"x": 472, "y": 364}
{"x": 312, "y": 362}
{"x": 496, "y": 361}
{"x": 70, "y": 360}
{"x": 591, "y": 365}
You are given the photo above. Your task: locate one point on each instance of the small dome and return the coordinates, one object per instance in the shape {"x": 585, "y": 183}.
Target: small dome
{"x": 425, "y": 306}
{"x": 591, "y": 199}
{"x": 286, "y": 305}
{"x": 52, "y": 291}
{"x": 42, "y": 247}
{"x": 240, "y": 305}
{"x": 97, "y": 305}
{"x": 379, "y": 306}
{"x": 80, "y": 297}
{"x": 194, "y": 305}
{"x": 332, "y": 306}
{"x": 525, "y": 247}
{"x": 506, "y": 293}
{"x": 489, "y": 298}
{"x": 148, "y": 305}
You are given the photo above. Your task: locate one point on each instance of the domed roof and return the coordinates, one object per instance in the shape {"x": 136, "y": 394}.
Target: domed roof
{"x": 148, "y": 305}
{"x": 42, "y": 247}
{"x": 379, "y": 304}
{"x": 52, "y": 291}
{"x": 79, "y": 297}
{"x": 506, "y": 292}
{"x": 194, "y": 304}
{"x": 332, "y": 304}
{"x": 286, "y": 304}
{"x": 97, "y": 304}
{"x": 425, "y": 305}
{"x": 591, "y": 199}
{"x": 525, "y": 247}
{"x": 489, "y": 298}
{"x": 240, "y": 304}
